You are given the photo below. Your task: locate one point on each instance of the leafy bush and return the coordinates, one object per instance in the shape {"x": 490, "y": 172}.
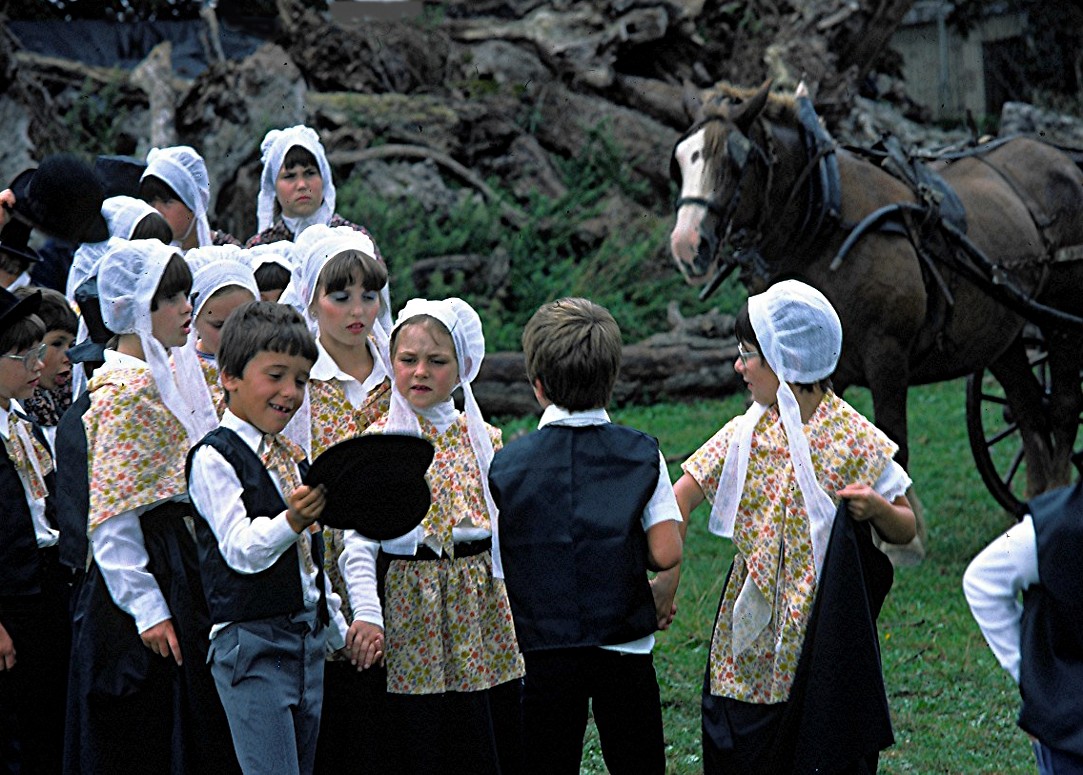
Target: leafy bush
{"x": 630, "y": 272}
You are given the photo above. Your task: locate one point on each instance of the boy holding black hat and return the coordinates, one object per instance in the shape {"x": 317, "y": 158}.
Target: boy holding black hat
{"x": 35, "y": 635}
{"x": 260, "y": 550}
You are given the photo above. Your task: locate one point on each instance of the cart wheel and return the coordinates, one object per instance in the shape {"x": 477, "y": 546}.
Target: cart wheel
{"x": 994, "y": 434}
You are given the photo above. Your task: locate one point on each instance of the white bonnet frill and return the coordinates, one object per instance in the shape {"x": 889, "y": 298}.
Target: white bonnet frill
{"x": 464, "y": 325}
{"x": 312, "y": 250}
{"x": 800, "y": 336}
{"x": 186, "y": 173}
{"x": 273, "y": 151}
{"x": 128, "y": 277}
{"x": 211, "y": 276}
{"x": 281, "y": 253}
{"x": 122, "y": 214}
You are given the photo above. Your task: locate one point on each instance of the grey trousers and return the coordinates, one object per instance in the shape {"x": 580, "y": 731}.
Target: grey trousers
{"x": 269, "y": 674}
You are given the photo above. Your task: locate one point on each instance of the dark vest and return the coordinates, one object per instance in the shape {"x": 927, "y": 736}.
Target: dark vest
{"x": 1051, "y": 641}
{"x": 73, "y": 484}
{"x": 574, "y": 552}
{"x": 20, "y": 562}
{"x": 234, "y": 596}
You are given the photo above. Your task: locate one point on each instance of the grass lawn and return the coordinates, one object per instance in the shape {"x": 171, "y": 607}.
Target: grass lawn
{"x": 954, "y": 708}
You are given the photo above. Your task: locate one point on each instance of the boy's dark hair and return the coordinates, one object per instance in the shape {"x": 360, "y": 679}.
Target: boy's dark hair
{"x": 153, "y": 226}
{"x": 153, "y": 189}
{"x": 176, "y": 278}
{"x": 272, "y": 276}
{"x": 742, "y": 330}
{"x": 348, "y": 267}
{"x": 574, "y": 347}
{"x": 21, "y": 334}
{"x": 263, "y": 326}
{"x": 54, "y": 311}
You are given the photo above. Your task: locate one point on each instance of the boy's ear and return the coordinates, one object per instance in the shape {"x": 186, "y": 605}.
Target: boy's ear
{"x": 539, "y": 393}
{"x": 229, "y": 382}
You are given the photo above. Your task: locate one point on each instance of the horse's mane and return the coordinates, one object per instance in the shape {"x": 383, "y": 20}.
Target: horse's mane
{"x": 780, "y": 107}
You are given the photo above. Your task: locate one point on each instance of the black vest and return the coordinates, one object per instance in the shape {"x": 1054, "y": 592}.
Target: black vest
{"x": 233, "y": 596}
{"x": 20, "y": 562}
{"x": 574, "y": 552}
{"x": 1051, "y": 641}
{"x": 73, "y": 484}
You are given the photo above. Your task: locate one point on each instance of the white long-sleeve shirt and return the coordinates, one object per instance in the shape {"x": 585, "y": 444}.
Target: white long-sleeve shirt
{"x": 251, "y": 544}
{"x": 992, "y": 584}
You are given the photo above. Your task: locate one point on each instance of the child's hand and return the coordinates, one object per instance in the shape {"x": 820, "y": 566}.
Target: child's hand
{"x": 305, "y": 506}
{"x": 664, "y": 590}
{"x": 7, "y": 650}
{"x": 162, "y": 640}
{"x": 865, "y": 502}
{"x": 365, "y": 645}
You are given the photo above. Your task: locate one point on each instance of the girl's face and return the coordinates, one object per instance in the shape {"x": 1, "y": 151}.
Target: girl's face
{"x": 172, "y": 321}
{"x": 18, "y": 378}
{"x": 177, "y": 215}
{"x": 426, "y": 370}
{"x": 56, "y": 368}
{"x": 346, "y": 316}
{"x": 299, "y": 190}
{"x": 214, "y": 313}
{"x": 760, "y": 378}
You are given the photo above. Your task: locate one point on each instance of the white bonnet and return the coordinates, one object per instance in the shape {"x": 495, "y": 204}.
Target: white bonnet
{"x": 276, "y": 144}
{"x": 464, "y": 325}
{"x": 798, "y": 330}
{"x": 128, "y": 276}
{"x": 186, "y": 173}
{"x": 208, "y": 277}
{"x": 122, "y": 214}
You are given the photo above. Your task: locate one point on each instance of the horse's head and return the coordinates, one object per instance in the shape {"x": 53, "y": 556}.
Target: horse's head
{"x": 714, "y": 164}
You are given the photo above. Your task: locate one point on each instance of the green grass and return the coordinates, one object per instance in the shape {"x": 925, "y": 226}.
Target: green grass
{"x": 953, "y": 707}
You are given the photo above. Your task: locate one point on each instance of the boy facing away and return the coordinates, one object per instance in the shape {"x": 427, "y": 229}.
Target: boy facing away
{"x": 260, "y": 549}
{"x": 586, "y": 509}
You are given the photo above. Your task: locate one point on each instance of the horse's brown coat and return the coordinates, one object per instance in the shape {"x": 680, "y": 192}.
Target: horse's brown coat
{"x": 1024, "y": 200}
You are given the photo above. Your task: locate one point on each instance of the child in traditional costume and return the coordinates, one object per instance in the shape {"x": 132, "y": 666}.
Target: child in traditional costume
{"x": 35, "y": 632}
{"x": 52, "y": 396}
{"x": 176, "y": 183}
{"x": 141, "y": 698}
{"x": 339, "y": 284}
{"x": 586, "y": 509}
{"x": 453, "y": 664}
{"x": 261, "y": 553}
{"x": 774, "y": 699}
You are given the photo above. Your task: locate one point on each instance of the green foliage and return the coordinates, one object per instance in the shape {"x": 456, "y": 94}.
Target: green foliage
{"x": 96, "y": 120}
{"x": 953, "y": 707}
{"x": 630, "y": 272}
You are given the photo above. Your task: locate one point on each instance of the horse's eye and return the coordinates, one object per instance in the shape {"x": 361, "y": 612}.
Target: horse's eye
{"x": 695, "y": 156}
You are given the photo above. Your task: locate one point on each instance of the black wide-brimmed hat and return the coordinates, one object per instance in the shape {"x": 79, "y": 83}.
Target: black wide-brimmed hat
{"x": 120, "y": 174}
{"x": 375, "y": 484}
{"x": 14, "y": 309}
{"x": 62, "y": 198}
{"x": 14, "y": 241}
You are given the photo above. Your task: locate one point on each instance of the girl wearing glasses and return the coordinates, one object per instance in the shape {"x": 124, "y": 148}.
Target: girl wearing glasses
{"x": 775, "y": 478}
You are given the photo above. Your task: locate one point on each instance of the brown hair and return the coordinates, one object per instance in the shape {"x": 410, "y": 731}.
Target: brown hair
{"x": 263, "y": 326}
{"x": 176, "y": 278}
{"x": 347, "y": 268}
{"x": 574, "y": 347}
{"x": 55, "y": 313}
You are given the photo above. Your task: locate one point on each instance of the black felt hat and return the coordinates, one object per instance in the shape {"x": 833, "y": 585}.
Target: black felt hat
{"x": 14, "y": 241}
{"x": 62, "y": 198}
{"x": 375, "y": 484}
{"x": 120, "y": 174}
{"x": 14, "y": 309}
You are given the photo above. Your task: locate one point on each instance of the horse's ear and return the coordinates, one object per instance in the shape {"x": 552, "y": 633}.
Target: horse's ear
{"x": 691, "y": 100}
{"x": 746, "y": 112}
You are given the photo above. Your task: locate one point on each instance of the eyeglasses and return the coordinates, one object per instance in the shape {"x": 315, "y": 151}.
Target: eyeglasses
{"x": 746, "y": 355}
{"x": 31, "y": 357}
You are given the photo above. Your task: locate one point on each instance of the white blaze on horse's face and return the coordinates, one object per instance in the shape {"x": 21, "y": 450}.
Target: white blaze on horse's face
{"x": 691, "y": 159}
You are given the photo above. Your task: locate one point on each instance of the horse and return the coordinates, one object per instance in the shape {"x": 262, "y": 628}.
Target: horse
{"x": 924, "y": 295}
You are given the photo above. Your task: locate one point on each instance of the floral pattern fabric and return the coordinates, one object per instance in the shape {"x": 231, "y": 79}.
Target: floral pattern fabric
{"x": 771, "y": 536}
{"x": 218, "y": 393}
{"x": 136, "y": 447}
{"x": 46, "y": 406}
{"x": 28, "y": 455}
{"x": 448, "y": 623}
